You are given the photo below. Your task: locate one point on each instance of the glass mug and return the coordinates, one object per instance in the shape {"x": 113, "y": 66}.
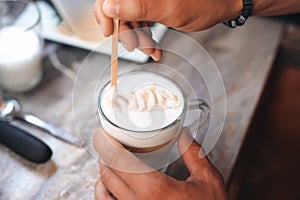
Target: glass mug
{"x": 151, "y": 146}
{"x": 20, "y": 45}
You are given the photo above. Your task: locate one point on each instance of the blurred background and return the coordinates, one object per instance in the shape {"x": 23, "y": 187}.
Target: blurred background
{"x": 268, "y": 164}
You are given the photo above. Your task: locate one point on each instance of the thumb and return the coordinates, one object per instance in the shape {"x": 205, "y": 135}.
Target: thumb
{"x": 192, "y": 154}
{"x": 133, "y": 10}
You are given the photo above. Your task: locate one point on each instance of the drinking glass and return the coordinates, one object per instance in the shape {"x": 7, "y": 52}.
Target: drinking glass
{"x": 153, "y": 146}
{"x": 20, "y": 45}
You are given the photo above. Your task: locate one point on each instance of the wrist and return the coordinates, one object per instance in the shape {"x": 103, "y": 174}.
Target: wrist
{"x": 261, "y": 7}
{"x": 241, "y": 19}
{"x": 232, "y": 10}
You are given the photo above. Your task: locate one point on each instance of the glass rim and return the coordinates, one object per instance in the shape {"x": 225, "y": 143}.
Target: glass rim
{"x": 37, "y": 9}
{"x": 148, "y": 131}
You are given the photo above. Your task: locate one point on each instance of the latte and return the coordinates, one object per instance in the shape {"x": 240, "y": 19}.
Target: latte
{"x": 146, "y": 106}
{"x": 142, "y": 102}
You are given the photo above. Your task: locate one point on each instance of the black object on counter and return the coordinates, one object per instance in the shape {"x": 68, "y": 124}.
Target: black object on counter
{"x": 24, "y": 144}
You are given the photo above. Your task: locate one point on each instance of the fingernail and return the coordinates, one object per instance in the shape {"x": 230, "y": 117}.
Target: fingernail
{"x": 153, "y": 56}
{"x": 111, "y": 8}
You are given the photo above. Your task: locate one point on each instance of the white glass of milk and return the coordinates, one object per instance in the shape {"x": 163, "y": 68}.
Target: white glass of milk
{"x": 20, "y": 45}
{"x": 152, "y": 126}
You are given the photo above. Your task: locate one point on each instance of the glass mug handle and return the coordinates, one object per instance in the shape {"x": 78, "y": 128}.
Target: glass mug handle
{"x": 201, "y": 105}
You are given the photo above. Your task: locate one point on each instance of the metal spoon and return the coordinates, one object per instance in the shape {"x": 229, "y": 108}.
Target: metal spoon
{"x": 12, "y": 110}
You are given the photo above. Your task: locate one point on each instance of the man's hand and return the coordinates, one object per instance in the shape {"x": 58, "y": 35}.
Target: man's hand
{"x": 204, "y": 182}
{"x": 188, "y": 15}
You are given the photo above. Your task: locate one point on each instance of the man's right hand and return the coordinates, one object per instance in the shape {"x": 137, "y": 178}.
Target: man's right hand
{"x": 204, "y": 182}
{"x": 188, "y": 15}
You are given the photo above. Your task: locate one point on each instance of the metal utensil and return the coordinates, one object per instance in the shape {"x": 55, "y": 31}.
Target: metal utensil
{"x": 12, "y": 110}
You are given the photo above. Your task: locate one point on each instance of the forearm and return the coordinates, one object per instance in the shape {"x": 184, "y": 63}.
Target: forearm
{"x": 187, "y": 15}
{"x": 275, "y": 7}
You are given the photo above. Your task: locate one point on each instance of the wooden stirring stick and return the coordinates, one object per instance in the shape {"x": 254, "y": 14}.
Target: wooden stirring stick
{"x": 114, "y": 54}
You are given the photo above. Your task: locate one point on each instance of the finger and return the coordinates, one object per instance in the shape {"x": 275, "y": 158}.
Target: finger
{"x": 115, "y": 156}
{"x": 141, "y": 182}
{"x": 157, "y": 53}
{"x": 146, "y": 28}
{"x": 145, "y": 43}
{"x": 134, "y": 10}
{"x": 106, "y": 23}
{"x": 101, "y": 193}
{"x": 143, "y": 26}
{"x": 192, "y": 154}
{"x": 115, "y": 184}
{"x": 130, "y": 36}
{"x": 128, "y": 167}
{"x": 127, "y": 36}
{"x": 135, "y": 25}
{"x": 139, "y": 37}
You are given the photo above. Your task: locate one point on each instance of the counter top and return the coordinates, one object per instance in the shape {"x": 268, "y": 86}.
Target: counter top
{"x": 244, "y": 57}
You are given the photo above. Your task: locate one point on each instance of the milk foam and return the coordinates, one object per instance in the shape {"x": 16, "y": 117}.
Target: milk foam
{"x": 143, "y": 102}
{"x": 151, "y": 97}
